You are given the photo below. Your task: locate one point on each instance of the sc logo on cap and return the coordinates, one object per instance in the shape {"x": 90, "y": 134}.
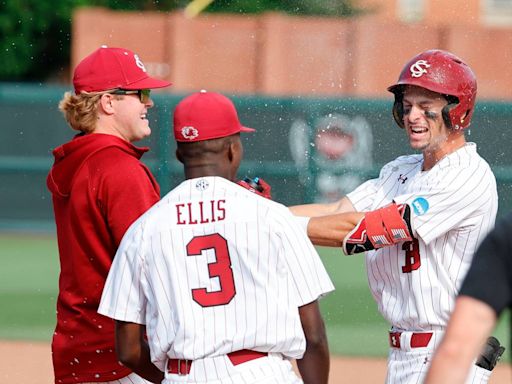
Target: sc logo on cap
{"x": 189, "y": 133}
{"x": 139, "y": 63}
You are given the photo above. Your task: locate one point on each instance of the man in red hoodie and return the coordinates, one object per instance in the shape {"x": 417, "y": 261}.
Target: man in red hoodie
{"x": 99, "y": 187}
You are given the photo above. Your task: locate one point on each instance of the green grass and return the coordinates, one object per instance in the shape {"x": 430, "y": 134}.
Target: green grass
{"x": 354, "y": 326}
{"x": 28, "y": 288}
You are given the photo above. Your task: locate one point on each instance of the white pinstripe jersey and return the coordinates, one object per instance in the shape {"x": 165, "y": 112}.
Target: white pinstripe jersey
{"x": 214, "y": 268}
{"x": 454, "y": 206}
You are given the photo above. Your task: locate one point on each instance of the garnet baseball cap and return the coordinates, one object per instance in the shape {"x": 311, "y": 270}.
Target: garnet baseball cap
{"x": 204, "y": 116}
{"x": 111, "y": 68}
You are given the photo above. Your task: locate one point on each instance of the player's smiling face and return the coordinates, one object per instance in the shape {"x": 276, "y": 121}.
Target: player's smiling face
{"x": 423, "y": 120}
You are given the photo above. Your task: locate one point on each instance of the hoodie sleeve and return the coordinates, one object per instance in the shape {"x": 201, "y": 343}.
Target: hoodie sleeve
{"x": 126, "y": 189}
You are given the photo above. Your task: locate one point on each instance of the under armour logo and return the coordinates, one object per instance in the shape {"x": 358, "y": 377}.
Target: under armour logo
{"x": 393, "y": 341}
{"x": 402, "y": 178}
{"x": 419, "y": 68}
{"x": 189, "y": 133}
{"x": 139, "y": 63}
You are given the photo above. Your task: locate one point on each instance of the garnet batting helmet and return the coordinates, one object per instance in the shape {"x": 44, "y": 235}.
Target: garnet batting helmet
{"x": 442, "y": 72}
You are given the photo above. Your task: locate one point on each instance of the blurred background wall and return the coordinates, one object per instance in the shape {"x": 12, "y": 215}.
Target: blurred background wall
{"x": 279, "y": 54}
{"x": 311, "y": 79}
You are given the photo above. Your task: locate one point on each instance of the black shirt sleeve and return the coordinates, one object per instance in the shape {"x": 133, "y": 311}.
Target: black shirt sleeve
{"x": 489, "y": 278}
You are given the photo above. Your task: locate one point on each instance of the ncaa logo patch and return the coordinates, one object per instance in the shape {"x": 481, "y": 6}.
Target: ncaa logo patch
{"x": 419, "y": 68}
{"x": 420, "y": 206}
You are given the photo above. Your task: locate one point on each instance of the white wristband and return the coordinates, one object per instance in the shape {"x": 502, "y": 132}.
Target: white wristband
{"x": 303, "y": 222}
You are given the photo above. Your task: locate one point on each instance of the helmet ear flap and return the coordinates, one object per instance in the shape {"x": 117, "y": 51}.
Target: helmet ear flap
{"x": 446, "y": 111}
{"x": 446, "y": 115}
{"x": 398, "y": 109}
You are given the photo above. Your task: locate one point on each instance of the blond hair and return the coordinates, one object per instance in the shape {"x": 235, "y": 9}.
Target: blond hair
{"x": 81, "y": 110}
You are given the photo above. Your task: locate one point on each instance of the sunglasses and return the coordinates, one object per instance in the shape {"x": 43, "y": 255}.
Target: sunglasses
{"x": 144, "y": 94}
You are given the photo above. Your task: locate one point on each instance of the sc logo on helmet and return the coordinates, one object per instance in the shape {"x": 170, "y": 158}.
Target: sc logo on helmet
{"x": 419, "y": 68}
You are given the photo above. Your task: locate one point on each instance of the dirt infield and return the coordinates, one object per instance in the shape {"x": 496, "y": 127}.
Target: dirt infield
{"x": 30, "y": 363}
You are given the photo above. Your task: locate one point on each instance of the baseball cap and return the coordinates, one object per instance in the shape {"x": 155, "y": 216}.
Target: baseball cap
{"x": 111, "y": 68}
{"x": 204, "y": 116}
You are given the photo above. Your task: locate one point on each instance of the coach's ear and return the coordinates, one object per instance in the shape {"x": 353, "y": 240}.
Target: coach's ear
{"x": 105, "y": 103}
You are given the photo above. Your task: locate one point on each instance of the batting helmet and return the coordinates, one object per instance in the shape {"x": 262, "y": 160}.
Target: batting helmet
{"x": 442, "y": 72}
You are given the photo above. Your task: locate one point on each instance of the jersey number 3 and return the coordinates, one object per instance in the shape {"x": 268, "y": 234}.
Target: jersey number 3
{"x": 412, "y": 256}
{"x": 221, "y": 268}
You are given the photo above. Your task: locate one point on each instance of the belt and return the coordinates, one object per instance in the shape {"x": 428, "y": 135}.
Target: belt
{"x": 418, "y": 340}
{"x": 182, "y": 367}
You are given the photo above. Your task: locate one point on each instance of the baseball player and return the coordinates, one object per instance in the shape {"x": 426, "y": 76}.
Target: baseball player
{"x": 425, "y": 214}
{"x": 99, "y": 187}
{"x": 225, "y": 280}
{"x": 484, "y": 295}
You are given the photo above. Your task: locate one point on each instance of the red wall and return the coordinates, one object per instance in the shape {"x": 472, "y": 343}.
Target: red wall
{"x": 278, "y": 54}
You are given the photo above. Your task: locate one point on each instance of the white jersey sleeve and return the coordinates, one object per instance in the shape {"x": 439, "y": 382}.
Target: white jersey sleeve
{"x": 310, "y": 278}
{"x": 376, "y": 193}
{"x": 123, "y": 297}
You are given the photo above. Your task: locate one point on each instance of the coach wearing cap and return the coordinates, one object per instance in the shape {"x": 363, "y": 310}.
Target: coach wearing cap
{"x": 99, "y": 187}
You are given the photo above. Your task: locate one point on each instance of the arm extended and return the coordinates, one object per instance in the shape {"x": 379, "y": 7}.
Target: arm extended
{"x": 332, "y": 229}
{"x": 360, "y": 232}
{"x": 313, "y": 210}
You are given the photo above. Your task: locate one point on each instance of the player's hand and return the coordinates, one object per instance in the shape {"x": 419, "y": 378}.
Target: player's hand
{"x": 256, "y": 185}
{"x": 380, "y": 228}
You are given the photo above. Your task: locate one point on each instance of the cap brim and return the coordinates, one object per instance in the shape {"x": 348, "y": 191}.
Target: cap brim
{"x": 393, "y": 88}
{"x": 147, "y": 83}
{"x": 247, "y": 129}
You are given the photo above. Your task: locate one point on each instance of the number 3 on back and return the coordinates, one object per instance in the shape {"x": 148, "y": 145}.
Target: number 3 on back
{"x": 221, "y": 268}
{"x": 412, "y": 256}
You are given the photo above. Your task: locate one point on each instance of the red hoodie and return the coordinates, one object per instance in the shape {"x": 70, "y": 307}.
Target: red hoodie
{"x": 99, "y": 189}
